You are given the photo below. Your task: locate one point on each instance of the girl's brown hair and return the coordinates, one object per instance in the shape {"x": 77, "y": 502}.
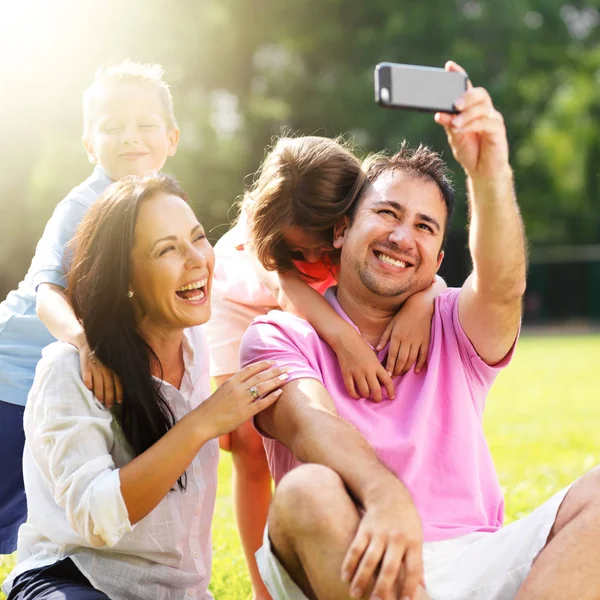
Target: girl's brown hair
{"x": 309, "y": 182}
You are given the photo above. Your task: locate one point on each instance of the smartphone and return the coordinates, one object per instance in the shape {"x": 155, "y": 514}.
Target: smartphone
{"x": 428, "y": 89}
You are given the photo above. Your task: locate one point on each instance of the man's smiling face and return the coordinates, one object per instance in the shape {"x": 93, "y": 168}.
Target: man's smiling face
{"x": 393, "y": 246}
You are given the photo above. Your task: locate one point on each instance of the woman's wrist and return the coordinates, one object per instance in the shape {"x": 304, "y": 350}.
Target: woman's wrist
{"x": 200, "y": 428}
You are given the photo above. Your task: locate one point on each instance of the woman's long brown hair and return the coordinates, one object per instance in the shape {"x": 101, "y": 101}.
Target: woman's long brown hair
{"x": 97, "y": 288}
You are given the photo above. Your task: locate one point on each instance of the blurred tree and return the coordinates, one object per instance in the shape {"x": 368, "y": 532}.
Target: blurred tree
{"x": 245, "y": 71}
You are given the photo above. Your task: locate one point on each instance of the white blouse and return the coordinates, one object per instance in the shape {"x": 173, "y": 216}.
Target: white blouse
{"x": 73, "y": 452}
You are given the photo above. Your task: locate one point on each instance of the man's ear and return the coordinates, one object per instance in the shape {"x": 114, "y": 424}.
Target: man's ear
{"x": 339, "y": 232}
{"x": 173, "y": 137}
{"x": 89, "y": 148}
{"x": 439, "y": 261}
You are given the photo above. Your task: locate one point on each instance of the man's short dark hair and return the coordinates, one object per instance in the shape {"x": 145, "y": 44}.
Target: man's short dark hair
{"x": 423, "y": 163}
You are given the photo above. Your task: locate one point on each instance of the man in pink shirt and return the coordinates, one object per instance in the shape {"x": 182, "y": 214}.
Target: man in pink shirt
{"x": 400, "y": 499}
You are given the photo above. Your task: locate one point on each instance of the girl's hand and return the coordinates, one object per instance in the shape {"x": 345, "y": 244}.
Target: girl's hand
{"x": 363, "y": 373}
{"x": 103, "y": 382}
{"x": 408, "y": 333}
{"x": 243, "y": 395}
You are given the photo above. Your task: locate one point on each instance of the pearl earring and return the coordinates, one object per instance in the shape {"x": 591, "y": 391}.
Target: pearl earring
{"x": 130, "y": 294}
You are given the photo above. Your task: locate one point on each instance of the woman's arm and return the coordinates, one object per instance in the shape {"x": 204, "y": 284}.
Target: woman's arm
{"x": 363, "y": 373}
{"x": 71, "y": 437}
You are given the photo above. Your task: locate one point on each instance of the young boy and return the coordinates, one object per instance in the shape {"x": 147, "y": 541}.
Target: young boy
{"x": 128, "y": 129}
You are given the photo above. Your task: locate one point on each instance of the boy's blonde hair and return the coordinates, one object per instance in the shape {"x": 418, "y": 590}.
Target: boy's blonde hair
{"x": 129, "y": 72}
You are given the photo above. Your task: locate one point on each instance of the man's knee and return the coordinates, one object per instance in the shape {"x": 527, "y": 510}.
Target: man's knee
{"x": 309, "y": 499}
{"x": 582, "y": 501}
{"x": 587, "y": 490}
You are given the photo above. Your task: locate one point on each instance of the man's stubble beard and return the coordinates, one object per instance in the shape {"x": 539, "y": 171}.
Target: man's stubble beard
{"x": 387, "y": 290}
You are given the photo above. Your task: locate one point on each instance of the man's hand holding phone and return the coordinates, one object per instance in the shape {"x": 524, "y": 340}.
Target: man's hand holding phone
{"x": 477, "y": 134}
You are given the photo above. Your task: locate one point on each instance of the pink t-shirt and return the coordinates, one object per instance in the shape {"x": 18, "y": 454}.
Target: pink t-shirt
{"x": 431, "y": 435}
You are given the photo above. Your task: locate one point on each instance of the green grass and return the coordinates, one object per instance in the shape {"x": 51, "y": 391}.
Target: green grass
{"x": 541, "y": 422}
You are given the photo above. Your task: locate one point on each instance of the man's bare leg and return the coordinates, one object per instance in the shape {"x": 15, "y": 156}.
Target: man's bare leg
{"x": 567, "y": 567}
{"x": 312, "y": 522}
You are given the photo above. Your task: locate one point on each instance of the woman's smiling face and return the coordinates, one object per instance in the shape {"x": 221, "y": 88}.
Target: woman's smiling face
{"x": 172, "y": 265}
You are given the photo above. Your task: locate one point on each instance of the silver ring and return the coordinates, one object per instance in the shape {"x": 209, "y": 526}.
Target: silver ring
{"x": 254, "y": 392}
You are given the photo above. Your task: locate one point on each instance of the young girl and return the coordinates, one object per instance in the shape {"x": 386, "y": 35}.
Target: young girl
{"x": 279, "y": 255}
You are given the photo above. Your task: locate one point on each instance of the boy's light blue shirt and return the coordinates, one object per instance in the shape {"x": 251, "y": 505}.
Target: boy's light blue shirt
{"x": 22, "y": 334}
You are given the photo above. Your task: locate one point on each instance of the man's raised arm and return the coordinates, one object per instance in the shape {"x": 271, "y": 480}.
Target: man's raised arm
{"x": 490, "y": 303}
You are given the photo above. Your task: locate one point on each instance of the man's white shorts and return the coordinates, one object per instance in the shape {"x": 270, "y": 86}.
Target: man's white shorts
{"x": 486, "y": 566}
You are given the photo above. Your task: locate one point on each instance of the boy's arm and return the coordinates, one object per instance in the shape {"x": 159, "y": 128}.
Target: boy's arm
{"x": 362, "y": 371}
{"x": 55, "y": 311}
{"x": 304, "y": 419}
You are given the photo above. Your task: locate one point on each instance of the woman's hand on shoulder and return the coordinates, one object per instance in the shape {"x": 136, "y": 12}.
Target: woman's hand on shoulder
{"x": 242, "y": 396}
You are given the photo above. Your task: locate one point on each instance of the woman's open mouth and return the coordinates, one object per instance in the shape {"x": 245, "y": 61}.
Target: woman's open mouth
{"x": 193, "y": 291}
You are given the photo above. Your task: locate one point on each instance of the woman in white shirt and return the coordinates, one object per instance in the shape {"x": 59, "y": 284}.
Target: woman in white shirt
{"x": 120, "y": 502}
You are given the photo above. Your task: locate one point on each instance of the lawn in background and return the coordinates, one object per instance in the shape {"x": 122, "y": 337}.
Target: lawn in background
{"x": 541, "y": 421}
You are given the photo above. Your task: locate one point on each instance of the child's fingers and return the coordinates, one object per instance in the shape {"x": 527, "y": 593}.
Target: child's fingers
{"x": 350, "y": 387}
{"x": 86, "y": 372}
{"x": 118, "y": 389}
{"x": 403, "y": 353}
{"x": 362, "y": 386}
{"x": 385, "y": 337}
{"x": 386, "y": 381}
{"x": 98, "y": 385}
{"x": 392, "y": 356}
{"x": 422, "y": 357}
{"x": 109, "y": 388}
{"x": 412, "y": 358}
{"x": 374, "y": 387}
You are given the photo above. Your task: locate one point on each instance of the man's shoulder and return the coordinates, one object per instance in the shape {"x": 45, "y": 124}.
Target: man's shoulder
{"x": 284, "y": 321}
{"x": 447, "y": 299}
{"x": 277, "y": 332}
{"x": 445, "y": 316}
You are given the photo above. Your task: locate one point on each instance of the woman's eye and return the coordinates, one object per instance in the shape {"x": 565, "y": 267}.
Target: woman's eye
{"x": 387, "y": 212}
{"x": 426, "y": 227}
{"x": 199, "y": 237}
{"x": 165, "y": 250}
